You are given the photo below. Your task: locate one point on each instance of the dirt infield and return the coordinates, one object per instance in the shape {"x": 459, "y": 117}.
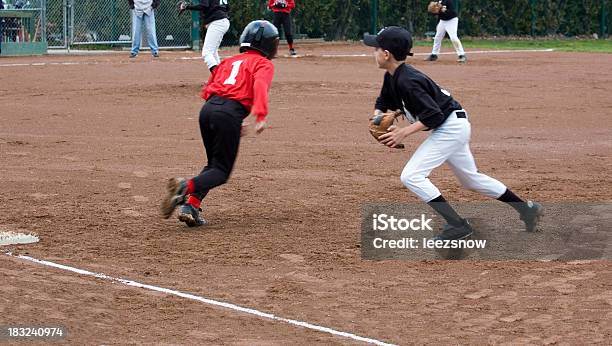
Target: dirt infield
{"x": 86, "y": 143}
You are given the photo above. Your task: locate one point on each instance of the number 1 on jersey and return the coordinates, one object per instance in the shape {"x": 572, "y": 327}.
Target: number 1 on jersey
{"x": 235, "y": 69}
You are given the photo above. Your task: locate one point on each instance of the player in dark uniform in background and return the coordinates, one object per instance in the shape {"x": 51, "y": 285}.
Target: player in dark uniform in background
{"x": 428, "y": 107}
{"x": 216, "y": 21}
{"x": 448, "y": 23}
{"x": 239, "y": 87}
{"x": 282, "y": 19}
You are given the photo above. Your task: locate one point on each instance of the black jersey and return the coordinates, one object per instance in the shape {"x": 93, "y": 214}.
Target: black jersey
{"x": 411, "y": 91}
{"x": 212, "y": 9}
{"x": 450, "y": 10}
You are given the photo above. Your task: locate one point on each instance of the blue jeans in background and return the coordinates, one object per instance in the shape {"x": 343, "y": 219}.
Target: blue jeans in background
{"x": 149, "y": 23}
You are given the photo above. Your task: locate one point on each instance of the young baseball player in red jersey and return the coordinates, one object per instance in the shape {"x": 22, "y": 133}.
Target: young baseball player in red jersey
{"x": 236, "y": 89}
{"x": 282, "y": 19}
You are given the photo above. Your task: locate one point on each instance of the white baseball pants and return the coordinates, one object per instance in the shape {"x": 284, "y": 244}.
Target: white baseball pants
{"x": 214, "y": 35}
{"x": 450, "y": 27}
{"x": 448, "y": 143}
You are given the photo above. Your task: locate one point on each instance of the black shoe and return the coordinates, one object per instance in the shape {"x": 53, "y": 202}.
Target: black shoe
{"x": 175, "y": 196}
{"x": 462, "y": 59}
{"x": 156, "y": 55}
{"x": 450, "y": 232}
{"x": 133, "y": 55}
{"x": 432, "y": 57}
{"x": 191, "y": 216}
{"x": 532, "y": 215}
{"x": 292, "y": 52}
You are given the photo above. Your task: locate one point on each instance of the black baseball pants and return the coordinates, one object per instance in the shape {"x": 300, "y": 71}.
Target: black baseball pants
{"x": 284, "y": 19}
{"x": 220, "y": 124}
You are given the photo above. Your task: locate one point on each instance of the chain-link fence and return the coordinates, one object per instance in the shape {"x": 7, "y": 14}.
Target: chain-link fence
{"x": 22, "y": 27}
{"x": 57, "y": 29}
{"x": 109, "y": 22}
{"x": 69, "y": 23}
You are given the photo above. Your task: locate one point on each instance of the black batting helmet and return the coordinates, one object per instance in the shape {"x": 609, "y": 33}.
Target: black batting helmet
{"x": 262, "y": 36}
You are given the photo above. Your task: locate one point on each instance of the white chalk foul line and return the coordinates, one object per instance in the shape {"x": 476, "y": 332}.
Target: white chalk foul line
{"x": 205, "y": 301}
{"x": 446, "y": 53}
{"x": 66, "y": 63}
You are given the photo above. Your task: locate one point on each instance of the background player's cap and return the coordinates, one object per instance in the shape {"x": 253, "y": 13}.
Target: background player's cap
{"x": 394, "y": 39}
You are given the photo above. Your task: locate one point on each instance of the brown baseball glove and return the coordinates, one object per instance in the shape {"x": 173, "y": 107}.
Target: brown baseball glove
{"x": 380, "y": 123}
{"x": 434, "y": 7}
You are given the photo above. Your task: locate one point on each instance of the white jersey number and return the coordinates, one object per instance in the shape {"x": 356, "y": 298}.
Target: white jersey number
{"x": 235, "y": 69}
{"x": 223, "y": 2}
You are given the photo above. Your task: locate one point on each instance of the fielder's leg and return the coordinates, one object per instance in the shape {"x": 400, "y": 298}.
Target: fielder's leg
{"x": 212, "y": 41}
{"x": 451, "y": 29}
{"x": 432, "y": 153}
{"x": 277, "y": 21}
{"x": 289, "y": 33}
{"x": 440, "y": 32}
{"x": 463, "y": 165}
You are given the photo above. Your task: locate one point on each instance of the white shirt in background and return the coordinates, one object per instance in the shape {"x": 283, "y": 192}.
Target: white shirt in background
{"x": 143, "y": 6}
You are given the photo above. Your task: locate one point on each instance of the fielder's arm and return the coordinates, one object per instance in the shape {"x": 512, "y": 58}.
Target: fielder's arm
{"x": 398, "y": 134}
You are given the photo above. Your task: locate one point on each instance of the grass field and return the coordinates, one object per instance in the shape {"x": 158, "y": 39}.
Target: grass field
{"x": 565, "y": 45}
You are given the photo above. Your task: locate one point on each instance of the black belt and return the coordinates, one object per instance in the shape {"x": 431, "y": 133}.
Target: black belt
{"x": 461, "y": 114}
{"x": 220, "y": 100}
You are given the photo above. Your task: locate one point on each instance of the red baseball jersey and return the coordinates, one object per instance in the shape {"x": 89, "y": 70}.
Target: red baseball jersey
{"x": 275, "y": 5}
{"x": 245, "y": 78}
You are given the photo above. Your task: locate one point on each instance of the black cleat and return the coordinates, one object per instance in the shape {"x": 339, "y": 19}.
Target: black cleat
{"x": 191, "y": 216}
{"x": 532, "y": 216}
{"x": 462, "y": 59}
{"x": 292, "y": 52}
{"x": 133, "y": 55}
{"x": 450, "y": 232}
{"x": 175, "y": 196}
{"x": 432, "y": 57}
{"x": 156, "y": 55}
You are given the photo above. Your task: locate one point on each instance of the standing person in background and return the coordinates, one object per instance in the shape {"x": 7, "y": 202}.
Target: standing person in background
{"x": 448, "y": 24}
{"x": 282, "y": 18}
{"x": 143, "y": 11}
{"x": 216, "y": 22}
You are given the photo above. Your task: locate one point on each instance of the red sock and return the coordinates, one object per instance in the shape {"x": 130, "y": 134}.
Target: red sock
{"x": 194, "y": 202}
{"x": 190, "y": 187}
{"x": 290, "y": 45}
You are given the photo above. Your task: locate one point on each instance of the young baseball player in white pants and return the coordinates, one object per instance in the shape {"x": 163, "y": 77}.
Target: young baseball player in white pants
{"x": 212, "y": 41}
{"x": 429, "y": 107}
{"x": 448, "y": 24}
{"x": 216, "y": 14}
{"x": 450, "y": 143}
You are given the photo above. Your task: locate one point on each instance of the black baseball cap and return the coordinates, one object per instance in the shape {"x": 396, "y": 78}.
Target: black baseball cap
{"x": 394, "y": 39}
